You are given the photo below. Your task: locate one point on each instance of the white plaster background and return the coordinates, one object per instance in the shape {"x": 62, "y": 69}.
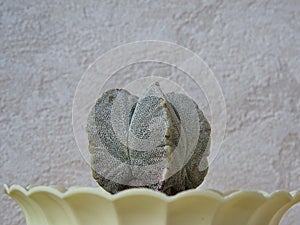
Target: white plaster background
{"x": 253, "y": 48}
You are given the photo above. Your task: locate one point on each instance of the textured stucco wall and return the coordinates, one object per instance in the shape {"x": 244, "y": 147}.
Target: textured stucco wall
{"x": 253, "y": 48}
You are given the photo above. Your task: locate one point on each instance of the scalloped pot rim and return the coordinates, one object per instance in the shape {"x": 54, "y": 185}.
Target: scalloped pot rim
{"x": 62, "y": 192}
{"x": 52, "y": 205}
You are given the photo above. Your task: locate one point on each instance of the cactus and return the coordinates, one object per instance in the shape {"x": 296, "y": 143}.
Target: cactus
{"x": 148, "y": 141}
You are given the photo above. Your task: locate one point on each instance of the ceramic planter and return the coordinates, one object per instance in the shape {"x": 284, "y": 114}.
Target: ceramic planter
{"x": 94, "y": 206}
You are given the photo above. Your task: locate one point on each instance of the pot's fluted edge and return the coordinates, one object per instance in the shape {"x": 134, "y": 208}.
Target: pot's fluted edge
{"x": 51, "y": 205}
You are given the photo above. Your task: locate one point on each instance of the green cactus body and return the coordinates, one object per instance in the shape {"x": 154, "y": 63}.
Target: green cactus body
{"x": 148, "y": 142}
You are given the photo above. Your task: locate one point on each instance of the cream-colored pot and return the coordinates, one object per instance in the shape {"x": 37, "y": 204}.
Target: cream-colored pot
{"x": 94, "y": 206}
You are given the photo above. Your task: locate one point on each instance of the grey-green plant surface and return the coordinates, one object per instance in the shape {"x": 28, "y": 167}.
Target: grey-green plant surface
{"x": 158, "y": 141}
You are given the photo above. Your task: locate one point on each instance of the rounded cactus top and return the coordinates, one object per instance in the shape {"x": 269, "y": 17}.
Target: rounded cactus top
{"x": 158, "y": 141}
